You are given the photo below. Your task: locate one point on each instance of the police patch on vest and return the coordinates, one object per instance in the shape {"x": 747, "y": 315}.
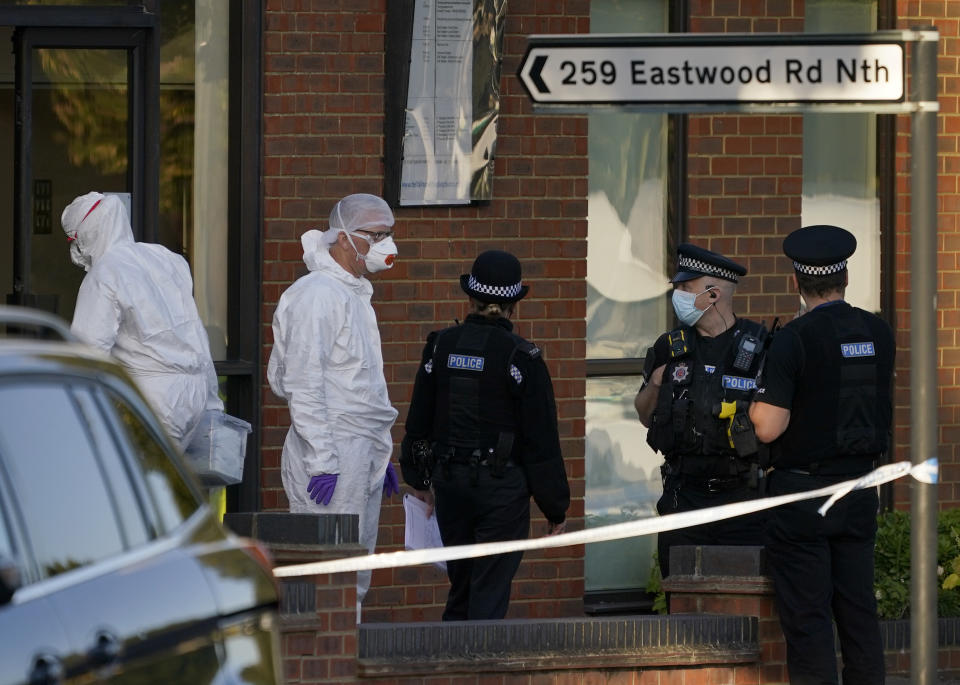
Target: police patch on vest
{"x": 709, "y": 368}
{"x": 465, "y": 361}
{"x": 739, "y": 383}
{"x": 857, "y": 349}
{"x": 680, "y": 372}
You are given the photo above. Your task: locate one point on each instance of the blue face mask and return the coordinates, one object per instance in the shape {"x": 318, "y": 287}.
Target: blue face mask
{"x": 685, "y": 307}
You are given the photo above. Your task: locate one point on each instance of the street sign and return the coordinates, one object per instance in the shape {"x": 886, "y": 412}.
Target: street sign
{"x": 667, "y": 70}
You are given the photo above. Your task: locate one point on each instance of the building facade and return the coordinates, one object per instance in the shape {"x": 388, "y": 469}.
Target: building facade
{"x": 235, "y": 126}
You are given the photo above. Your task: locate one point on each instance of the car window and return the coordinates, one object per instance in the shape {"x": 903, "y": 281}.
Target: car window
{"x": 173, "y": 498}
{"x": 129, "y": 511}
{"x": 56, "y": 478}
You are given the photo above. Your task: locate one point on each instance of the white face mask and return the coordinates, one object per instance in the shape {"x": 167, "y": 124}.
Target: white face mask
{"x": 379, "y": 257}
{"x": 685, "y": 307}
{"x": 78, "y": 258}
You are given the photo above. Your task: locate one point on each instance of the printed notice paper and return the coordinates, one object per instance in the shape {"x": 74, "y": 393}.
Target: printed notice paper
{"x": 420, "y": 532}
{"x": 437, "y": 143}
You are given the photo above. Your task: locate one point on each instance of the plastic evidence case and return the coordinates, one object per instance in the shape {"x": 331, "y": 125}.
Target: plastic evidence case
{"x": 216, "y": 448}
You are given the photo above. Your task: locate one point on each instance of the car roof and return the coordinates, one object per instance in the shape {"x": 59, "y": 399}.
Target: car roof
{"x": 34, "y": 341}
{"x": 22, "y": 356}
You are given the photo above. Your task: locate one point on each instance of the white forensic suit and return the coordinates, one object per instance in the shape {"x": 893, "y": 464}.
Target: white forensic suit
{"x": 136, "y": 303}
{"x": 327, "y": 364}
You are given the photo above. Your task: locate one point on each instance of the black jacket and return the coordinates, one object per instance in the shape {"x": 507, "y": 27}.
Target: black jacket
{"x": 513, "y": 393}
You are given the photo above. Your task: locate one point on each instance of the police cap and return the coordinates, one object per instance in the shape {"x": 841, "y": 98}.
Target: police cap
{"x": 819, "y": 250}
{"x": 494, "y": 277}
{"x": 694, "y": 262}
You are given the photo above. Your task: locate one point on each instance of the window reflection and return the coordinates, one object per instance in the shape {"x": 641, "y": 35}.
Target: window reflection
{"x": 57, "y": 479}
{"x": 127, "y": 508}
{"x": 627, "y": 308}
{"x": 194, "y": 107}
{"x": 623, "y": 484}
{"x": 174, "y": 500}
{"x": 840, "y": 160}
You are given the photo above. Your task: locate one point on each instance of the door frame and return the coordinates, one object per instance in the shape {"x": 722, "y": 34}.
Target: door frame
{"x": 245, "y": 207}
{"x": 132, "y": 28}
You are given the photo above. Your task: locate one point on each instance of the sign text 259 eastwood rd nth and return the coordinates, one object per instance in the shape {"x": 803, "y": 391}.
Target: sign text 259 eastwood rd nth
{"x": 574, "y": 73}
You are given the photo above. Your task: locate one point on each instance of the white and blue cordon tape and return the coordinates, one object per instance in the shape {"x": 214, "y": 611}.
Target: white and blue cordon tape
{"x": 924, "y": 472}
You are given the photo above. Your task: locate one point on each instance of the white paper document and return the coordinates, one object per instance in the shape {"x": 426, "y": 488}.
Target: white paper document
{"x": 420, "y": 532}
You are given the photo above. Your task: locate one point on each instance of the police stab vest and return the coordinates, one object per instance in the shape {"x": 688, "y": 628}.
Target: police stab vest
{"x": 476, "y": 397}
{"x": 685, "y": 421}
{"x": 842, "y": 403}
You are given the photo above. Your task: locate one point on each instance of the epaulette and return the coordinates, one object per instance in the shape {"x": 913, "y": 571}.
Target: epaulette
{"x": 529, "y": 348}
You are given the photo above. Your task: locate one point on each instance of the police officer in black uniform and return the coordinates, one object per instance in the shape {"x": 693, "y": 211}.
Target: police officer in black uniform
{"x": 824, "y": 403}
{"x": 482, "y": 430}
{"x": 698, "y": 380}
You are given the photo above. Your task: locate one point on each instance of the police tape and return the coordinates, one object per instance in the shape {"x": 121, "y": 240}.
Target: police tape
{"x": 924, "y": 472}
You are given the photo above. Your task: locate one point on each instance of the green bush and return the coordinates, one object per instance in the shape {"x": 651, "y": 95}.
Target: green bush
{"x": 892, "y": 564}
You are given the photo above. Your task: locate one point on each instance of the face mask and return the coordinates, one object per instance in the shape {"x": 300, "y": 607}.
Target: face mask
{"x": 78, "y": 258}
{"x": 684, "y": 305}
{"x": 379, "y": 257}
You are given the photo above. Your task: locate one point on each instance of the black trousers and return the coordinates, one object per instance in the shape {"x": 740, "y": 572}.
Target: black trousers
{"x": 472, "y": 506}
{"x": 822, "y": 570}
{"x": 681, "y": 494}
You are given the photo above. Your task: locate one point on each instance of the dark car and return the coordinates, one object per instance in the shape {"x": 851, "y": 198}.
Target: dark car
{"x": 112, "y": 566}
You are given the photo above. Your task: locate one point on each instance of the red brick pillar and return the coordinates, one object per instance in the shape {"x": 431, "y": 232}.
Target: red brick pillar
{"x": 731, "y": 581}
{"x": 318, "y": 614}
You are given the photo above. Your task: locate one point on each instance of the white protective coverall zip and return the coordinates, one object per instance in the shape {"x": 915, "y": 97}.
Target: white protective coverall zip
{"x": 136, "y": 303}
{"x": 327, "y": 364}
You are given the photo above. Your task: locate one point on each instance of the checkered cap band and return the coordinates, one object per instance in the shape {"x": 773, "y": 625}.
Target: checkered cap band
{"x": 824, "y": 270}
{"x": 685, "y": 263}
{"x": 498, "y": 290}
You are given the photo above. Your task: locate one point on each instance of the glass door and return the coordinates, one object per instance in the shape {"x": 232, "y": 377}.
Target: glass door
{"x": 75, "y": 103}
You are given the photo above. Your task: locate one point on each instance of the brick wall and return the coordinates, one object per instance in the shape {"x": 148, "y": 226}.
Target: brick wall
{"x": 744, "y": 171}
{"x": 945, "y": 16}
{"x": 323, "y": 139}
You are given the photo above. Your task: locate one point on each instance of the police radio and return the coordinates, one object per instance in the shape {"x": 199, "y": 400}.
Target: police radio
{"x": 747, "y": 351}
{"x": 751, "y": 345}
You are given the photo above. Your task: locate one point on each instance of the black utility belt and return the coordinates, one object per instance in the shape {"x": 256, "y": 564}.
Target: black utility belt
{"x": 715, "y": 465}
{"x": 470, "y": 456}
{"x": 483, "y": 462}
{"x": 714, "y": 485}
{"x": 847, "y": 466}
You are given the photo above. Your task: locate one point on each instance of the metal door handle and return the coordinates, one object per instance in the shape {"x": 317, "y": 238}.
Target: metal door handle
{"x": 105, "y": 650}
{"x": 46, "y": 670}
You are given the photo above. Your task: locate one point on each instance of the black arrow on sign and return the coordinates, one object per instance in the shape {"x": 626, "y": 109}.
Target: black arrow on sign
{"x": 535, "y": 70}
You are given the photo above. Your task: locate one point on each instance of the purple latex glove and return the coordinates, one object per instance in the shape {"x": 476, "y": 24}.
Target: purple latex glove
{"x": 321, "y": 487}
{"x": 391, "y": 484}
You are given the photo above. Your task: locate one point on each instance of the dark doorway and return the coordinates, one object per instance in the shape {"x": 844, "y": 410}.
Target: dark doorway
{"x": 77, "y": 96}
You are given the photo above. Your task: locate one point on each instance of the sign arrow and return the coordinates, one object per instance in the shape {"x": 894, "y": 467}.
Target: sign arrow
{"x": 535, "y": 70}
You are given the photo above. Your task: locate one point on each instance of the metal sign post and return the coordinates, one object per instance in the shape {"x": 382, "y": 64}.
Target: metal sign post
{"x": 924, "y": 394}
{"x": 791, "y": 73}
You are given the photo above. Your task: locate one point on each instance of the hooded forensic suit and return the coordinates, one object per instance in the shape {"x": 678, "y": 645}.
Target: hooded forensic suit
{"x": 136, "y": 303}
{"x": 327, "y": 363}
